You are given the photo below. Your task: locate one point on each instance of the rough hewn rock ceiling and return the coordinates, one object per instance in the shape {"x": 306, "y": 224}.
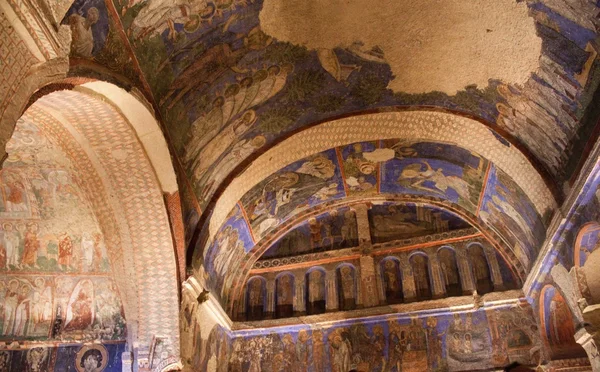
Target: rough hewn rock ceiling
{"x": 231, "y": 80}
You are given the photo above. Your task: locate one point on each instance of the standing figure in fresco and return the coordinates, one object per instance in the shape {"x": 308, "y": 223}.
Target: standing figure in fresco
{"x": 302, "y": 351}
{"x": 377, "y": 360}
{"x": 80, "y": 310}
{"x": 421, "y": 276}
{"x": 434, "y": 343}
{"x": 32, "y": 245}
{"x": 82, "y": 42}
{"x": 395, "y": 347}
{"x": 561, "y": 322}
{"x": 316, "y": 295}
{"x": 227, "y": 244}
{"x": 315, "y": 233}
{"x": 65, "y": 251}
{"x": 284, "y": 297}
{"x": 11, "y": 243}
{"x": 22, "y": 325}
{"x": 289, "y": 353}
{"x": 87, "y": 250}
{"x": 98, "y": 255}
{"x": 349, "y": 230}
{"x": 339, "y": 352}
{"x": 11, "y": 301}
{"x": 347, "y": 300}
{"x": 14, "y": 193}
{"x": 393, "y": 285}
{"x": 318, "y": 350}
{"x": 213, "y": 150}
{"x": 42, "y": 302}
{"x": 255, "y": 300}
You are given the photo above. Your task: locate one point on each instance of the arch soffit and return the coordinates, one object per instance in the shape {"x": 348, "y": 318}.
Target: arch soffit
{"x": 240, "y": 275}
{"x": 419, "y": 125}
{"x": 136, "y": 216}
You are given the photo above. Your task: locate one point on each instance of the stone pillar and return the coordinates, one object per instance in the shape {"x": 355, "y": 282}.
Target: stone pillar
{"x": 300, "y": 296}
{"x": 241, "y": 314}
{"x": 332, "y": 303}
{"x": 359, "y": 288}
{"x": 380, "y": 284}
{"x": 362, "y": 222}
{"x": 464, "y": 270}
{"x": 438, "y": 290}
{"x": 368, "y": 282}
{"x": 586, "y": 340}
{"x": 490, "y": 254}
{"x": 270, "y": 310}
{"x": 408, "y": 281}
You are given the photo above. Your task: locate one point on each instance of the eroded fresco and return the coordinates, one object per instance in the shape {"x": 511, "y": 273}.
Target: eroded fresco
{"x": 390, "y": 221}
{"x": 232, "y": 242}
{"x": 56, "y": 280}
{"x": 213, "y": 68}
{"x": 483, "y": 338}
{"x": 332, "y": 230}
{"x": 557, "y": 324}
{"x": 82, "y": 358}
{"x": 505, "y": 208}
{"x": 417, "y": 169}
{"x": 297, "y": 187}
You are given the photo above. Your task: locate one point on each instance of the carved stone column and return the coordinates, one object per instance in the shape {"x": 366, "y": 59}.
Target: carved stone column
{"x": 586, "y": 340}
{"x": 299, "y": 296}
{"x": 438, "y": 290}
{"x": 464, "y": 270}
{"x": 368, "y": 282}
{"x": 332, "y": 303}
{"x": 490, "y": 254}
{"x": 408, "y": 280}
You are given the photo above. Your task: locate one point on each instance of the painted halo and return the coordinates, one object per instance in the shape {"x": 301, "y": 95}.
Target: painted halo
{"x": 93, "y": 351}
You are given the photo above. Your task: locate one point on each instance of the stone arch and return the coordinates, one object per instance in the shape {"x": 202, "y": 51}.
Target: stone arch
{"x": 416, "y": 125}
{"x": 232, "y": 293}
{"x": 124, "y": 188}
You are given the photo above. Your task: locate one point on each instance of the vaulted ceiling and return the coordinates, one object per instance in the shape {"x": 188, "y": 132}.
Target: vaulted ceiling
{"x": 279, "y": 112}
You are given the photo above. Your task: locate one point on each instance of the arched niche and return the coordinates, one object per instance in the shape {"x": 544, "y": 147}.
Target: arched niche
{"x": 585, "y": 244}
{"x": 557, "y": 324}
{"x": 449, "y": 271}
{"x": 482, "y": 274}
{"x": 346, "y": 286}
{"x": 104, "y": 134}
{"x": 316, "y": 294}
{"x": 284, "y": 295}
{"x": 422, "y": 275}
{"x": 587, "y": 261}
{"x": 256, "y": 298}
{"x": 391, "y": 277}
